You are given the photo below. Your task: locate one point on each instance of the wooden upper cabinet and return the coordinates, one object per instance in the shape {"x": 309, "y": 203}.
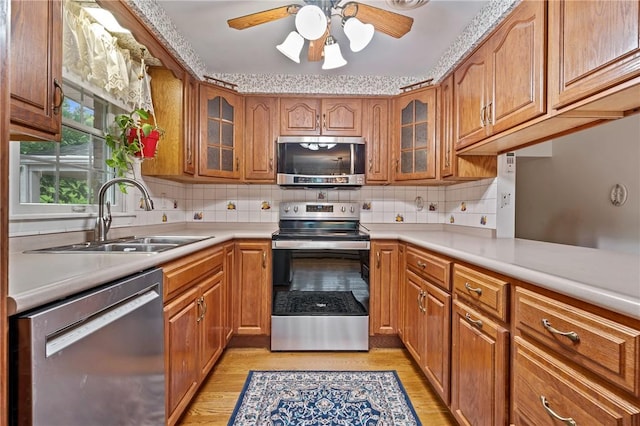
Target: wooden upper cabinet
{"x": 446, "y": 138}
{"x": 471, "y": 98}
{"x": 593, "y": 46}
{"x": 316, "y": 116}
{"x": 414, "y": 156}
{"x": 175, "y": 106}
{"x": 503, "y": 83}
{"x": 453, "y": 166}
{"x": 36, "y": 70}
{"x": 221, "y": 128}
{"x": 376, "y": 127}
{"x": 190, "y": 102}
{"x": 260, "y": 134}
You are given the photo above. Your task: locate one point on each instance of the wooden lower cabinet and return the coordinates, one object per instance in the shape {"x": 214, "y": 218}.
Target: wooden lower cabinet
{"x": 229, "y": 276}
{"x": 252, "y": 288}
{"x": 193, "y": 325}
{"x": 181, "y": 344}
{"x": 547, "y": 391}
{"x": 479, "y": 368}
{"x": 427, "y": 329}
{"x": 437, "y": 340}
{"x": 383, "y": 288}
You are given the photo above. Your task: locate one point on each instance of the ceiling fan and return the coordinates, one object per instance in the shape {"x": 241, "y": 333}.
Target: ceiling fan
{"x": 313, "y": 20}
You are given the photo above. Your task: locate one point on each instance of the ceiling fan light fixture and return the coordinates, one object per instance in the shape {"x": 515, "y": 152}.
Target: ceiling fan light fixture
{"x": 292, "y": 46}
{"x": 311, "y": 22}
{"x": 358, "y": 33}
{"x": 332, "y": 55}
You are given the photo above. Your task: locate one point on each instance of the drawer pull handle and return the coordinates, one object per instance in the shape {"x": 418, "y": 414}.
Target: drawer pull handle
{"x": 422, "y": 264}
{"x": 478, "y": 290}
{"x": 571, "y": 335}
{"x": 566, "y": 420}
{"x": 420, "y": 296}
{"x": 477, "y": 323}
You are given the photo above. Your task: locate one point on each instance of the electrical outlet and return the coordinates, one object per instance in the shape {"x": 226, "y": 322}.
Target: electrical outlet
{"x": 505, "y": 199}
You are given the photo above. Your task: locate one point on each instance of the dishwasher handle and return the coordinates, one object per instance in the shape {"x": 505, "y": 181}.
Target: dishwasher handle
{"x": 70, "y": 335}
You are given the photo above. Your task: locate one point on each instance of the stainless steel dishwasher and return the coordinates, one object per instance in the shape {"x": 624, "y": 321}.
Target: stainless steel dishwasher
{"x": 93, "y": 359}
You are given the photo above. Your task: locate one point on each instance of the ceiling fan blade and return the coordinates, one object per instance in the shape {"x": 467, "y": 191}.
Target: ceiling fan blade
{"x": 316, "y": 47}
{"x": 385, "y": 21}
{"x": 263, "y": 17}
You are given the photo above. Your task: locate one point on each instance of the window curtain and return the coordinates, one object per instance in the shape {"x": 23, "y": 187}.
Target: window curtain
{"x": 93, "y": 55}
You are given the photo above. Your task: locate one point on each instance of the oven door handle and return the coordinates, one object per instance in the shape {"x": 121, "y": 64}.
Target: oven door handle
{"x": 317, "y": 244}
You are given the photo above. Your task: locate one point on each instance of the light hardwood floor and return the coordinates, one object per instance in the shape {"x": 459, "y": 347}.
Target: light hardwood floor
{"x": 217, "y": 397}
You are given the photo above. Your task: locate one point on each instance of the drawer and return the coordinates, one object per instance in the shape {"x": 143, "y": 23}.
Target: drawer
{"x": 484, "y": 291}
{"x": 605, "y": 347}
{"x": 539, "y": 379}
{"x": 436, "y": 269}
{"x": 179, "y": 274}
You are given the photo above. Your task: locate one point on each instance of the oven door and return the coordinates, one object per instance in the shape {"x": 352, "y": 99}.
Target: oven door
{"x": 320, "y": 295}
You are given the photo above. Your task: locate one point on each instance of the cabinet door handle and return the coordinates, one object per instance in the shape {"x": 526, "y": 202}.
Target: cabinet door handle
{"x": 370, "y": 164}
{"x": 270, "y": 164}
{"x": 420, "y": 298}
{"x": 264, "y": 259}
{"x": 204, "y": 307}
{"x": 324, "y": 121}
{"x": 317, "y": 121}
{"x": 490, "y": 113}
{"x": 397, "y": 165}
{"x": 571, "y": 335}
{"x": 477, "y": 291}
{"x": 199, "y": 304}
{"x": 189, "y": 153}
{"x": 483, "y": 116}
{"x": 58, "y": 87}
{"x": 566, "y": 420}
{"x": 378, "y": 259}
{"x": 477, "y": 323}
{"x": 237, "y": 164}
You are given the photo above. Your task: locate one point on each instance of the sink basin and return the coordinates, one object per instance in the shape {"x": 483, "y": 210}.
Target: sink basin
{"x": 129, "y": 248}
{"x": 166, "y": 240}
{"x": 151, "y": 244}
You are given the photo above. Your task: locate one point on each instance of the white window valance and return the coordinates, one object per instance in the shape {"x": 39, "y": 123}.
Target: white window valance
{"x": 93, "y": 55}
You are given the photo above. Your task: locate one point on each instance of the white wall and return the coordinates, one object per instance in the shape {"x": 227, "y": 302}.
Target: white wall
{"x": 565, "y": 198}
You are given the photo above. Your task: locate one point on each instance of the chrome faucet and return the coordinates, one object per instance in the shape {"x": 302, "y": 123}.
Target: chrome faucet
{"x": 103, "y": 223}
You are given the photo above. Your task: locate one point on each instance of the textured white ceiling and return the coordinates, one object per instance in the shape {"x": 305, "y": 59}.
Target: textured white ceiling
{"x": 224, "y": 50}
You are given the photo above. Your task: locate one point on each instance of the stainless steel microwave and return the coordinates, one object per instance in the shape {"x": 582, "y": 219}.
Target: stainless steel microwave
{"x": 321, "y": 161}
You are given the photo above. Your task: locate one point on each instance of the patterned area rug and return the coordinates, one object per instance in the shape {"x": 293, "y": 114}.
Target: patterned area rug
{"x": 323, "y": 398}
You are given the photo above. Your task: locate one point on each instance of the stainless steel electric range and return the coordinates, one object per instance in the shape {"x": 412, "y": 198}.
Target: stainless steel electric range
{"x": 320, "y": 278}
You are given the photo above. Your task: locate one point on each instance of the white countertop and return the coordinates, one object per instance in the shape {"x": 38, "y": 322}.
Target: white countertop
{"x": 604, "y": 278}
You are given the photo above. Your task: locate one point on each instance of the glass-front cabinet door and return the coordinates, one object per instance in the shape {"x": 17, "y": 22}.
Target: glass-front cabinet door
{"x": 220, "y": 132}
{"x": 414, "y": 154}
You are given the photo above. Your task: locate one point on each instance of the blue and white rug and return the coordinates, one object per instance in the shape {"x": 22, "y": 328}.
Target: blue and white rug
{"x": 323, "y": 398}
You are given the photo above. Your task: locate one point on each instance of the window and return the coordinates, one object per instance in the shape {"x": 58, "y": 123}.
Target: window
{"x": 66, "y": 176}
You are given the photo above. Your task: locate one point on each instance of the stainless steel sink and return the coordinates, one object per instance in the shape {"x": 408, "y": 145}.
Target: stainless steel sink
{"x": 150, "y": 244}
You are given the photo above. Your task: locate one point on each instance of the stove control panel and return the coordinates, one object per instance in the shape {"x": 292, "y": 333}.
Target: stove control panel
{"x": 319, "y": 211}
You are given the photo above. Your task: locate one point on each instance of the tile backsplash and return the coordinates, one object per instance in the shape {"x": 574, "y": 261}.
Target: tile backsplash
{"x": 471, "y": 204}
